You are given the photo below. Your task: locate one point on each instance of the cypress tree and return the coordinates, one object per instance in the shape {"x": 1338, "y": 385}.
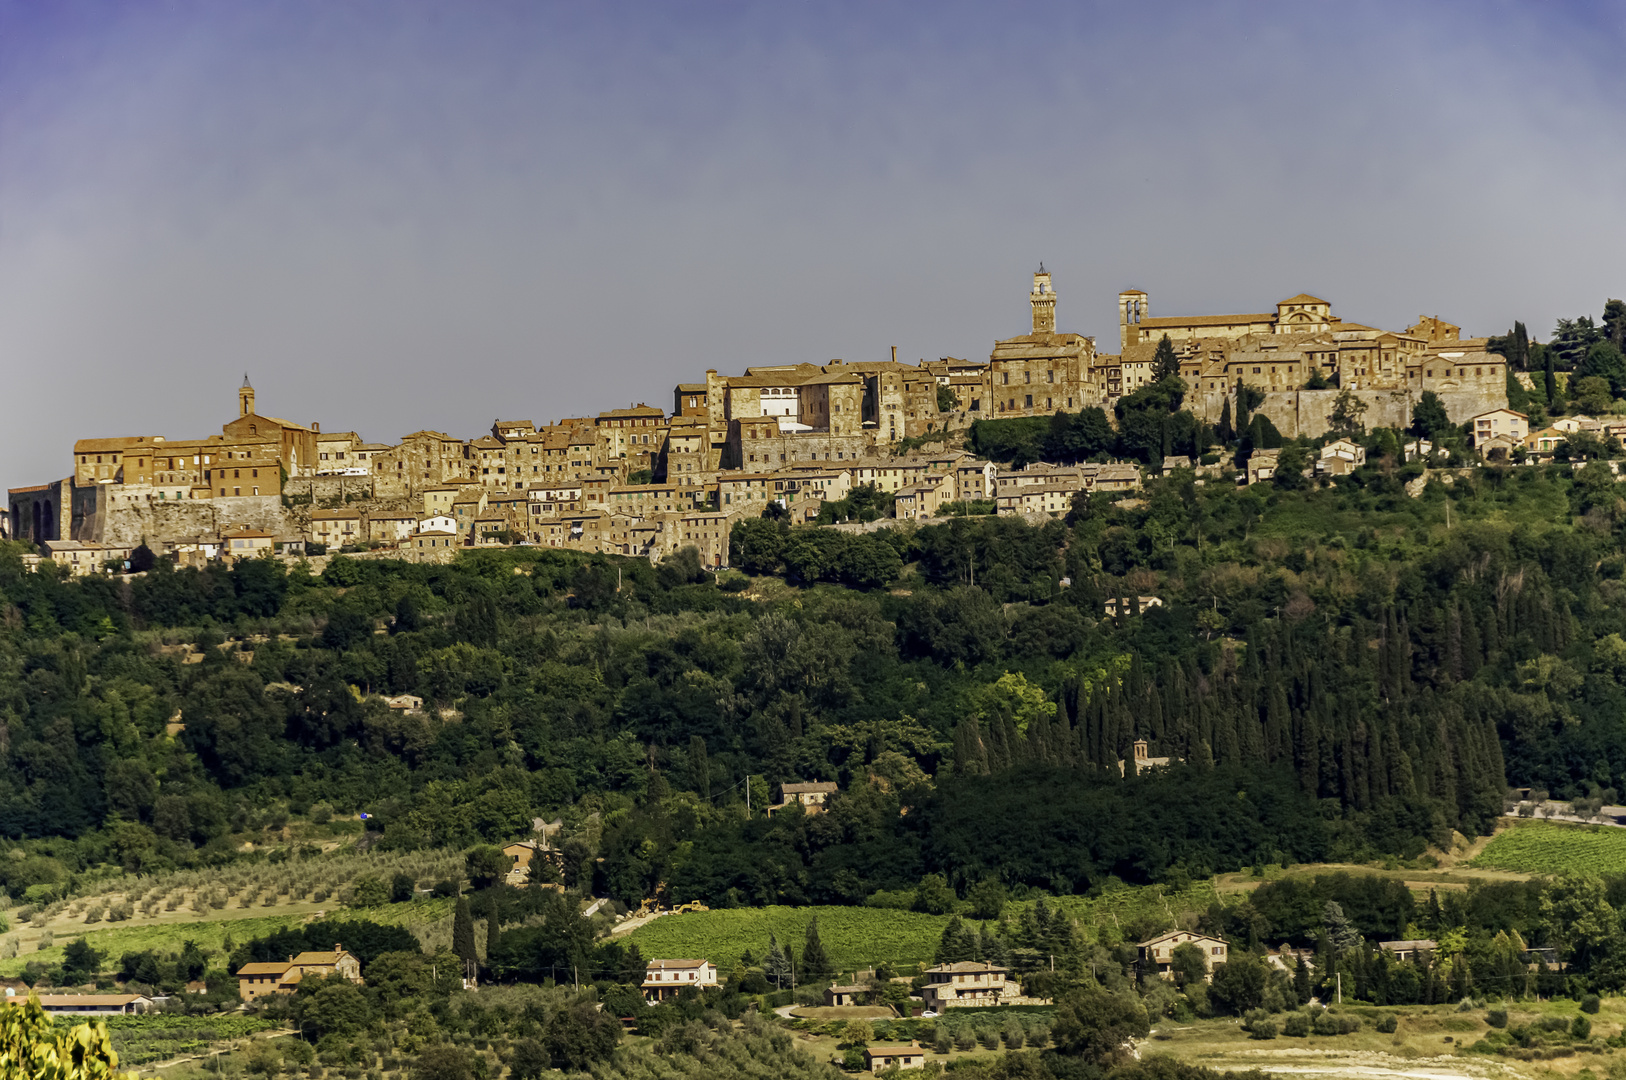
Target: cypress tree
{"x": 463, "y": 932}
{"x": 815, "y": 962}
{"x": 493, "y": 929}
{"x": 1223, "y": 431}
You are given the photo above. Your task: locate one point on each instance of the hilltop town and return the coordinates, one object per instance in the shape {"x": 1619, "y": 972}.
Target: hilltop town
{"x": 646, "y": 481}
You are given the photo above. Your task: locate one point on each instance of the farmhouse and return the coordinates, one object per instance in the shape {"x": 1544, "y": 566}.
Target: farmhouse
{"x": 259, "y": 979}
{"x": 1157, "y": 954}
{"x": 967, "y": 983}
{"x": 524, "y": 853}
{"x": 664, "y": 978}
{"x": 1408, "y": 950}
{"x": 810, "y": 796}
{"x": 844, "y": 995}
{"x": 898, "y": 1055}
{"x": 88, "y": 1004}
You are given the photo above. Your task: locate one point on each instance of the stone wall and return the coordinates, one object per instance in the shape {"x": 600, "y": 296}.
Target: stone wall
{"x": 1304, "y": 412}
{"x": 169, "y": 522}
{"x": 330, "y": 491}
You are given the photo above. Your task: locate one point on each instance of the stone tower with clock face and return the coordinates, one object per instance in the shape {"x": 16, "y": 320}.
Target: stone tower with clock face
{"x": 1043, "y": 299}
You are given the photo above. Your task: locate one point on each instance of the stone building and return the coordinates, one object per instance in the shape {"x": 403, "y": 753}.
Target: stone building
{"x": 1042, "y": 372}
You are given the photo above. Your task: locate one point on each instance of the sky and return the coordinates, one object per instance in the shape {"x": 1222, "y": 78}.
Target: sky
{"x": 396, "y": 215}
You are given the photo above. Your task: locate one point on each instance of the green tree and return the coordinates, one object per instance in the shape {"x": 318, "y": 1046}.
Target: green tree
{"x": 1614, "y": 323}
{"x": 1290, "y": 466}
{"x": 1428, "y": 417}
{"x": 530, "y": 1058}
{"x": 933, "y": 895}
{"x": 402, "y": 887}
{"x": 958, "y": 943}
{"x": 987, "y": 898}
{"x": 493, "y": 926}
{"x": 34, "y": 1047}
{"x": 1579, "y": 917}
{"x": 443, "y": 1062}
{"x": 1345, "y": 418}
{"x": 1165, "y": 364}
{"x": 815, "y": 962}
{"x": 1340, "y": 931}
{"x": 485, "y": 866}
{"x": 1603, "y": 360}
{"x": 1248, "y": 398}
{"x": 1223, "y": 431}
{"x": 333, "y": 1005}
{"x": 80, "y": 962}
{"x": 1187, "y": 964}
{"x": 947, "y": 401}
{"x": 754, "y": 545}
{"x": 1096, "y": 1025}
{"x": 578, "y": 1036}
{"x": 776, "y": 965}
{"x": 1239, "y": 983}
{"x": 463, "y": 933}
{"x": 1593, "y": 392}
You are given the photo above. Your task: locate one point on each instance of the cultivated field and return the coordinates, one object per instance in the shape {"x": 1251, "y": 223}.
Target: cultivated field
{"x": 131, "y": 913}
{"x": 854, "y": 937}
{"x": 1543, "y": 847}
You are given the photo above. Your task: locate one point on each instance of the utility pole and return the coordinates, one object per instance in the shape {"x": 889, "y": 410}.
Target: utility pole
{"x": 1340, "y": 988}
{"x": 747, "y": 794}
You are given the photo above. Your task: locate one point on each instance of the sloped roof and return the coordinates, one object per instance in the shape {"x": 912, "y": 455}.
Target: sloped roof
{"x": 1304, "y": 298}
{"x": 964, "y": 966}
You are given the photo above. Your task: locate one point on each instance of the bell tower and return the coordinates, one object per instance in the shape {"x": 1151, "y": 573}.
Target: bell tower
{"x": 1132, "y": 310}
{"x": 1043, "y": 299}
{"x": 245, "y": 397}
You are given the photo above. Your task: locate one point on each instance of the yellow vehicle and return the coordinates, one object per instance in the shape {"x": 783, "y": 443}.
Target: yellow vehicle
{"x": 693, "y": 905}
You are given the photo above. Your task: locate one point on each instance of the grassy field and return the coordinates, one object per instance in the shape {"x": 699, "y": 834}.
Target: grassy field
{"x": 210, "y": 933}
{"x": 1544, "y": 847}
{"x": 1111, "y": 912}
{"x": 1430, "y": 1043}
{"x": 854, "y": 937}
{"x": 142, "y": 1040}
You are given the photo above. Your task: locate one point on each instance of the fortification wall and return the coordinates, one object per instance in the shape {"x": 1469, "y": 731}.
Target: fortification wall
{"x": 169, "y": 522}
{"x": 1305, "y": 412}
{"x": 330, "y": 490}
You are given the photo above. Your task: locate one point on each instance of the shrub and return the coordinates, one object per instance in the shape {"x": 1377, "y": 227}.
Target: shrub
{"x": 944, "y": 1041}
{"x": 1496, "y": 1018}
{"x": 1590, "y": 1003}
{"x": 1296, "y": 1025}
{"x": 1387, "y": 1023}
{"x": 988, "y": 1037}
{"x": 965, "y": 1038}
{"x": 1581, "y": 1028}
{"x": 1333, "y": 1024}
{"x": 1262, "y": 1029}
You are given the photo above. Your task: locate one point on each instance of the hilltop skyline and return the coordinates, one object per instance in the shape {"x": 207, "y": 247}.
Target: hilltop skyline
{"x": 396, "y": 218}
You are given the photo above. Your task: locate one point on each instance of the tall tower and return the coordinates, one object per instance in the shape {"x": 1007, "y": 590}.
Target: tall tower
{"x": 245, "y": 397}
{"x": 1043, "y": 299}
{"x": 1132, "y": 308}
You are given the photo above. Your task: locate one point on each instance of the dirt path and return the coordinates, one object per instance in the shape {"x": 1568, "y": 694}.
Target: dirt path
{"x": 632, "y": 924}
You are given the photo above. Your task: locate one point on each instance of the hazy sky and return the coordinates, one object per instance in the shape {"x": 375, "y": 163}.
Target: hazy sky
{"x": 399, "y": 215}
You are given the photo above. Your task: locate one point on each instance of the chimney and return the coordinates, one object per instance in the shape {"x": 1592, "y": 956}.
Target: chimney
{"x": 894, "y": 354}
{"x": 316, "y": 427}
